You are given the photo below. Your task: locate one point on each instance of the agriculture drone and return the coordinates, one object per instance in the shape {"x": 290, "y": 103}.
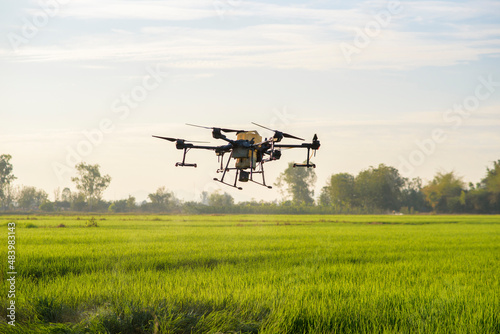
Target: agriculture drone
{"x": 249, "y": 151}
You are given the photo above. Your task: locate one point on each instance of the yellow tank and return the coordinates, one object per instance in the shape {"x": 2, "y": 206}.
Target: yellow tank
{"x": 243, "y": 158}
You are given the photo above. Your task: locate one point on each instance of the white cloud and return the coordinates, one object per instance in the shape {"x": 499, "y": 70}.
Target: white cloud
{"x": 269, "y": 45}
{"x": 296, "y": 36}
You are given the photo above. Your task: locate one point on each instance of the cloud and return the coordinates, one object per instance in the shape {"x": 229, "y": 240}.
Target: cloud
{"x": 294, "y": 36}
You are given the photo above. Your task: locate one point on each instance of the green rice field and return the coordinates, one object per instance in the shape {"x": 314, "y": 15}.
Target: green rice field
{"x": 253, "y": 274}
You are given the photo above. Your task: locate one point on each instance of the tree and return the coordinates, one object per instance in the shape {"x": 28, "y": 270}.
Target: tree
{"x": 220, "y": 200}
{"x": 47, "y": 206}
{"x": 31, "y": 198}
{"x": 299, "y": 182}
{"x": 413, "y": 199}
{"x": 324, "y": 197}
{"x": 492, "y": 184}
{"x": 444, "y": 192}
{"x": 118, "y": 206}
{"x": 340, "y": 189}
{"x": 78, "y": 202}
{"x": 66, "y": 195}
{"x": 161, "y": 199}
{"x": 131, "y": 206}
{"x": 6, "y": 177}
{"x": 379, "y": 188}
{"x": 10, "y": 193}
{"x": 90, "y": 182}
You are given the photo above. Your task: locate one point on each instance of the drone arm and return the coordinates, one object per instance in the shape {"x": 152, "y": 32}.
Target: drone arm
{"x": 201, "y": 147}
{"x": 310, "y": 146}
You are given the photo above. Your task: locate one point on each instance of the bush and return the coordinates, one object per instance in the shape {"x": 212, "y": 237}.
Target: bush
{"x": 47, "y": 206}
{"x": 92, "y": 222}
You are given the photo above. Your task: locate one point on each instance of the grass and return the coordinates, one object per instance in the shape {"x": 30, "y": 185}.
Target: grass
{"x": 256, "y": 274}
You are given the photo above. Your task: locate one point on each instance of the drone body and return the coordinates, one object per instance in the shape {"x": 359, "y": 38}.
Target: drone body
{"x": 249, "y": 152}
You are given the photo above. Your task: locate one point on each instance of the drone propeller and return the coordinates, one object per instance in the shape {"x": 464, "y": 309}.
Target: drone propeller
{"x": 279, "y": 133}
{"x": 178, "y": 139}
{"x": 213, "y": 128}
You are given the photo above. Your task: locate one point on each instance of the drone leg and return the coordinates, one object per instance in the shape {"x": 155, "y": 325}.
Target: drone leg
{"x": 236, "y": 177}
{"x": 184, "y": 156}
{"x": 261, "y": 171}
{"x": 224, "y": 174}
{"x": 307, "y": 164}
{"x": 251, "y": 165}
{"x": 221, "y": 160}
{"x": 225, "y": 169}
{"x": 183, "y": 163}
{"x": 263, "y": 179}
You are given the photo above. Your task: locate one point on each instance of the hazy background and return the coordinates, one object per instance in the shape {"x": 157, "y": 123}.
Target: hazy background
{"x": 374, "y": 80}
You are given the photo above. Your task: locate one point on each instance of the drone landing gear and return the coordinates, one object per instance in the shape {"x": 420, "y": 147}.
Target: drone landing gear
{"x": 307, "y": 164}
{"x": 227, "y": 184}
{"x": 183, "y": 163}
{"x": 241, "y": 175}
{"x": 260, "y": 171}
{"x": 224, "y": 171}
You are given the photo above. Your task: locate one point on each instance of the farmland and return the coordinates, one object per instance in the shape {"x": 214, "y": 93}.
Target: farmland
{"x": 254, "y": 274}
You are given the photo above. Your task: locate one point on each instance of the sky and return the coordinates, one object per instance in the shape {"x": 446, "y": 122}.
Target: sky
{"x": 410, "y": 84}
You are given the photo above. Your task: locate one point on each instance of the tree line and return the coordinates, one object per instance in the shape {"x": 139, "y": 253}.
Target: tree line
{"x": 378, "y": 189}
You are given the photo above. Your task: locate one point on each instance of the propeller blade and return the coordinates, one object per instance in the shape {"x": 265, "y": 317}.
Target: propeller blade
{"x": 166, "y": 138}
{"x": 176, "y": 139}
{"x": 211, "y": 128}
{"x": 262, "y": 126}
{"x": 231, "y": 130}
{"x": 199, "y": 126}
{"x": 286, "y": 135}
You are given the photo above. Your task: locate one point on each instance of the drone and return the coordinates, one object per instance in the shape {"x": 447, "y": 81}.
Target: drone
{"x": 248, "y": 151}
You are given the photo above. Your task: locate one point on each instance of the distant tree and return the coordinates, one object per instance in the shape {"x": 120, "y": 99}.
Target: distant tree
{"x": 131, "y": 206}
{"x": 492, "y": 184}
{"x": 90, "y": 182}
{"x": 298, "y": 183}
{"x": 161, "y": 199}
{"x": 324, "y": 197}
{"x": 31, "y": 198}
{"x": 341, "y": 190}
{"x": 413, "y": 199}
{"x": 6, "y": 177}
{"x": 484, "y": 197}
{"x": 78, "y": 202}
{"x": 62, "y": 199}
{"x": 66, "y": 195}
{"x": 220, "y": 200}
{"x": 47, "y": 206}
{"x": 379, "y": 188}
{"x": 204, "y": 197}
{"x": 57, "y": 194}
{"x": 477, "y": 200}
{"x": 444, "y": 192}
{"x": 118, "y": 206}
